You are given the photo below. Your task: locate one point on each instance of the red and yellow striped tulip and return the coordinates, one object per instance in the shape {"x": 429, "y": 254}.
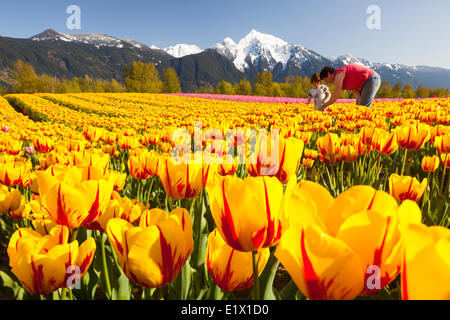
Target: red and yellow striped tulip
{"x": 73, "y": 201}
{"x": 152, "y": 254}
{"x": 342, "y": 239}
{"x": 231, "y": 200}
{"x": 41, "y": 262}
{"x": 430, "y": 164}
{"x": 179, "y": 179}
{"x": 231, "y": 269}
{"x": 413, "y": 137}
{"x": 406, "y": 187}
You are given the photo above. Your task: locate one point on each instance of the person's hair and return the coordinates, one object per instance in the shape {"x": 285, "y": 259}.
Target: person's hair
{"x": 325, "y": 71}
{"x": 315, "y": 78}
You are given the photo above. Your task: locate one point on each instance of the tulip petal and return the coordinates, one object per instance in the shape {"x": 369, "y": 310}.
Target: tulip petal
{"x": 322, "y": 267}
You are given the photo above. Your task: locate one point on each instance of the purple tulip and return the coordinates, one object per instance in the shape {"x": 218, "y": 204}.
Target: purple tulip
{"x": 5, "y": 129}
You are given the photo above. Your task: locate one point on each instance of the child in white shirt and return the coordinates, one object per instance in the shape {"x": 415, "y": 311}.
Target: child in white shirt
{"x": 319, "y": 92}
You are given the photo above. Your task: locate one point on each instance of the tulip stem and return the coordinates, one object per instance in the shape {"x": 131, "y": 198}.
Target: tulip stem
{"x": 64, "y": 293}
{"x": 255, "y": 274}
{"x": 150, "y": 189}
{"x": 424, "y": 199}
{"x": 404, "y": 162}
{"x": 138, "y": 190}
{"x": 105, "y": 267}
{"x": 74, "y": 235}
{"x": 443, "y": 174}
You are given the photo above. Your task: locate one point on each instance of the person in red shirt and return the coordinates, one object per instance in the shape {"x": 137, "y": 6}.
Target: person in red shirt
{"x": 361, "y": 81}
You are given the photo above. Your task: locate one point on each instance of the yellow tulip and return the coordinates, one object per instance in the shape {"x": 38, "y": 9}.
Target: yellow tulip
{"x": 233, "y": 199}
{"x": 179, "y": 179}
{"x": 41, "y": 262}
{"x": 321, "y": 266}
{"x": 359, "y": 230}
{"x": 426, "y": 262}
{"x": 9, "y": 200}
{"x": 118, "y": 207}
{"x": 154, "y": 253}
{"x": 231, "y": 269}
{"x": 72, "y": 201}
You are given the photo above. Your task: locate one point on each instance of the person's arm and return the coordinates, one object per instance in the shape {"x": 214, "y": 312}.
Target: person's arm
{"x": 338, "y": 81}
{"x": 327, "y": 95}
{"x": 310, "y": 97}
{"x": 357, "y": 94}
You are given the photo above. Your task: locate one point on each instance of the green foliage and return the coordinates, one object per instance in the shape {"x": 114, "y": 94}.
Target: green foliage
{"x": 298, "y": 87}
{"x": 26, "y": 80}
{"x": 244, "y": 87}
{"x": 171, "y": 83}
{"x": 142, "y": 77}
{"x": 224, "y": 88}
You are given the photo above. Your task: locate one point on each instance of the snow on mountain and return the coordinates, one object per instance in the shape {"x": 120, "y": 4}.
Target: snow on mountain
{"x": 181, "y": 50}
{"x": 257, "y": 47}
{"x": 96, "y": 39}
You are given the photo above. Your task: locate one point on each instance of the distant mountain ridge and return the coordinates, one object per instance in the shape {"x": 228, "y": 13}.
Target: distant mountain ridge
{"x": 258, "y": 52}
{"x": 103, "y": 56}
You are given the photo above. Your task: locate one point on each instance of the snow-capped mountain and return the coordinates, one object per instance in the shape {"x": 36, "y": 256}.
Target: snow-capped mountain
{"x": 181, "y": 50}
{"x": 258, "y": 52}
{"x": 96, "y": 39}
{"x": 254, "y": 53}
{"x": 254, "y": 47}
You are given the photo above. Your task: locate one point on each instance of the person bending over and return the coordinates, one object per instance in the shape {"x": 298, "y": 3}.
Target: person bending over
{"x": 361, "y": 81}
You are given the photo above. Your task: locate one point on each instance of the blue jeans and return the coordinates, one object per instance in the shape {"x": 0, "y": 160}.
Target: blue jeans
{"x": 369, "y": 90}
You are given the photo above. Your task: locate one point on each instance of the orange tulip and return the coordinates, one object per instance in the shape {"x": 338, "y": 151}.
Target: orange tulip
{"x": 405, "y": 187}
{"x": 445, "y": 160}
{"x": 93, "y": 134}
{"x": 384, "y": 142}
{"x": 430, "y": 164}
{"x": 307, "y": 163}
{"x": 330, "y": 148}
{"x": 349, "y": 153}
{"x": 43, "y": 144}
{"x": 413, "y": 137}
{"x": 442, "y": 143}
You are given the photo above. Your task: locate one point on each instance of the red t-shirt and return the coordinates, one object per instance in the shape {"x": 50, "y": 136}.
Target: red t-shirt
{"x": 355, "y": 76}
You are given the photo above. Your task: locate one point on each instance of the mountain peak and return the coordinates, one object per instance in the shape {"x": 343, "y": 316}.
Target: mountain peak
{"x": 181, "y": 50}
{"x": 96, "y": 39}
{"x": 263, "y": 38}
{"x": 48, "y": 34}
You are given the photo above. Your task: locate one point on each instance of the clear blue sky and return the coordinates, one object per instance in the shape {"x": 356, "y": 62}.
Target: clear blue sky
{"x": 413, "y": 32}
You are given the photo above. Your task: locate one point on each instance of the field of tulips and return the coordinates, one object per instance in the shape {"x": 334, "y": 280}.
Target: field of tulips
{"x": 144, "y": 196}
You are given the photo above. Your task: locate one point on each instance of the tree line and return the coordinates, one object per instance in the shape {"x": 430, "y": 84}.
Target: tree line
{"x": 300, "y": 86}
{"x": 138, "y": 77}
{"x": 144, "y": 77}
